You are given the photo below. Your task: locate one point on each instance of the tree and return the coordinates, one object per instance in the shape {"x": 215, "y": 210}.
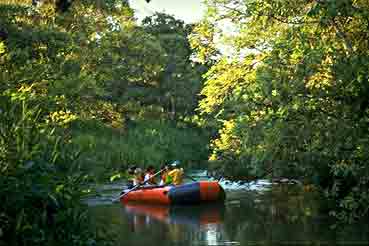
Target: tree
{"x": 292, "y": 94}
{"x": 180, "y": 80}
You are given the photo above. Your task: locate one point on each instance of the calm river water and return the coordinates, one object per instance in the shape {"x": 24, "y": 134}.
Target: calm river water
{"x": 258, "y": 213}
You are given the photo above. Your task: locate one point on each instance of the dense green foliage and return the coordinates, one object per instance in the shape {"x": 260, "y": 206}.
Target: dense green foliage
{"x": 291, "y": 92}
{"x": 85, "y": 92}
{"x": 108, "y": 151}
{"x": 40, "y": 183}
{"x": 179, "y": 80}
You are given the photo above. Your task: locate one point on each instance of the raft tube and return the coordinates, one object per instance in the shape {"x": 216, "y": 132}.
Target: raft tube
{"x": 187, "y": 194}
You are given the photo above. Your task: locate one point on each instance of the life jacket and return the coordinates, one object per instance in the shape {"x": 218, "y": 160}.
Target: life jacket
{"x": 177, "y": 176}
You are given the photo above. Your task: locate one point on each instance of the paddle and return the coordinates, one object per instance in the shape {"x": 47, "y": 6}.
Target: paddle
{"x": 137, "y": 186}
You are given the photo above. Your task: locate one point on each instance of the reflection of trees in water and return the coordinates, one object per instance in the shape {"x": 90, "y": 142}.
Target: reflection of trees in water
{"x": 283, "y": 214}
{"x": 114, "y": 223}
{"x": 279, "y": 213}
{"x": 247, "y": 219}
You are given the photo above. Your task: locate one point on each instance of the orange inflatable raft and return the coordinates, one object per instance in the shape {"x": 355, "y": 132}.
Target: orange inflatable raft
{"x": 193, "y": 193}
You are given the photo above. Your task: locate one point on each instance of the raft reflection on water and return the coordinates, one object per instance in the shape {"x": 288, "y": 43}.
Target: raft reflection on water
{"x": 142, "y": 215}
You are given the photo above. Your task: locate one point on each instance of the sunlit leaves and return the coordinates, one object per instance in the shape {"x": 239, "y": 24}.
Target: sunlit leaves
{"x": 202, "y": 41}
{"x": 61, "y": 118}
{"x": 303, "y": 103}
{"x": 225, "y": 82}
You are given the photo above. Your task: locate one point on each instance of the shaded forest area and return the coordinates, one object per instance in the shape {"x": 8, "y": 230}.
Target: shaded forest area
{"x": 257, "y": 87}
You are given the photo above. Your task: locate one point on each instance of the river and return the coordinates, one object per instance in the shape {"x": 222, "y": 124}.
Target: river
{"x": 256, "y": 213}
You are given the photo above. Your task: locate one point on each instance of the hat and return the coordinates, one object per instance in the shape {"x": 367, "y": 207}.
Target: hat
{"x": 138, "y": 171}
{"x": 175, "y": 163}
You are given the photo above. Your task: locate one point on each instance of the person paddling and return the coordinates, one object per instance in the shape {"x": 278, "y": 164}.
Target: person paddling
{"x": 131, "y": 176}
{"x": 149, "y": 179}
{"x": 138, "y": 178}
{"x": 175, "y": 175}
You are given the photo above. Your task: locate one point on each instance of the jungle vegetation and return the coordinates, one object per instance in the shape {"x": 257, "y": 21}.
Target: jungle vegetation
{"x": 259, "y": 87}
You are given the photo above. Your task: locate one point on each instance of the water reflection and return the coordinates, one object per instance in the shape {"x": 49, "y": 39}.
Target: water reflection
{"x": 280, "y": 215}
{"x": 203, "y": 223}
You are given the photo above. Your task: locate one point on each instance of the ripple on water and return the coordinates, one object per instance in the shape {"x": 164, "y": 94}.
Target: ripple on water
{"x": 104, "y": 194}
{"x": 258, "y": 185}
